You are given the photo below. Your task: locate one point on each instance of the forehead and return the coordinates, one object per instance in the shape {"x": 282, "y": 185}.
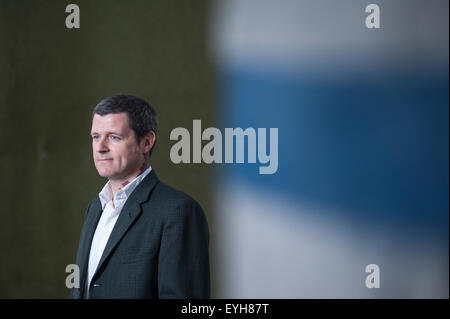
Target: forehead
{"x": 110, "y": 122}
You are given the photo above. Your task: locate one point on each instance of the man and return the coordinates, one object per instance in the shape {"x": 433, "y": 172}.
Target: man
{"x": 140, "y": 238}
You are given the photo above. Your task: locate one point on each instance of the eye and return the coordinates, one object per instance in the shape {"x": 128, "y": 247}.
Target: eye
{"x": 95, "y": 137}
{"x": 115, "y": 138}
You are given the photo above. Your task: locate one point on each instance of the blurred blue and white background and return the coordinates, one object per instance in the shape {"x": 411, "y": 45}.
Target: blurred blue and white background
{"x": 363, "y": 149}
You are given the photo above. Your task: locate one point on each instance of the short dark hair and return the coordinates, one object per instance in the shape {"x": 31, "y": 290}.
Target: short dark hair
{"x": 141, "y": 115}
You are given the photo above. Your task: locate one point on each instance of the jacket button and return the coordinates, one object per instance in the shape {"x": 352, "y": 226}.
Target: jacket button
{"x": 97, "y": 285}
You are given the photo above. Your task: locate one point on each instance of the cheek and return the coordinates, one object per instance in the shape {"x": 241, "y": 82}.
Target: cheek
{"x": 133, "y": 155}
{"x": 124, "y": 155}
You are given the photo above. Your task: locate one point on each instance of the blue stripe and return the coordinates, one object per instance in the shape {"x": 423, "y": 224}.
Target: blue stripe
{"x": 376, "y": 148}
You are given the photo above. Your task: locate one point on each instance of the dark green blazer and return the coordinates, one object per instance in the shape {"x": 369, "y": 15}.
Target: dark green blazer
{"x": 157, "y": 249}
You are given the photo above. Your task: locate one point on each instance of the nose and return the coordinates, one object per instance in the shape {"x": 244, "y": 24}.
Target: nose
{"x": 101, "y": 145}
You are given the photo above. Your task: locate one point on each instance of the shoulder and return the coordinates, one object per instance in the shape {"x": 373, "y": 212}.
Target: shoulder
{"x": 173, "y": 202}
{"x": 174, "y": 196}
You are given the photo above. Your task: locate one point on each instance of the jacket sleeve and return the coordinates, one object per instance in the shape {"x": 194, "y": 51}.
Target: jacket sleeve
{"x": 183, "y": 267}
{"x": 75, "y": 293}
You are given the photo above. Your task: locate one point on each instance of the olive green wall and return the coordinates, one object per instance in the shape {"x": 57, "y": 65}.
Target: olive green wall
{"x": 51, "y": 77}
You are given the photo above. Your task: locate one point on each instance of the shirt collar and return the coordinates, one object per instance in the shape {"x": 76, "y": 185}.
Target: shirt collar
{"x": 105, "y": 194}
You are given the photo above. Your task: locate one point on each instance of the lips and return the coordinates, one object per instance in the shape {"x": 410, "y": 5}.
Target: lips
{"x": 104, "y": 159}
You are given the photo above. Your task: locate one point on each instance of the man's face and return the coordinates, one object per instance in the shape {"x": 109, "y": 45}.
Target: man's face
{"x": 117, "y": 155}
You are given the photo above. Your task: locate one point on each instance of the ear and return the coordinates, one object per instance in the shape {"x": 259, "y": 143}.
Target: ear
{"x": 147, "y": 142}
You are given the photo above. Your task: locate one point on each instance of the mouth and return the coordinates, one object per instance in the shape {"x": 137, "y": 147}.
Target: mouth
{"x": 104, "y": 159}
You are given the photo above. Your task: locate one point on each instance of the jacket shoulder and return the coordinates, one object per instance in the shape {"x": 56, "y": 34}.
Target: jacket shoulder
{"x": 174, "y": 199}
{"x": 172, "y": 192}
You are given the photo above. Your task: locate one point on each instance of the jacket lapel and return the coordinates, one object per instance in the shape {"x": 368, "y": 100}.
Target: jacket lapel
{"x": 130, "y": 212}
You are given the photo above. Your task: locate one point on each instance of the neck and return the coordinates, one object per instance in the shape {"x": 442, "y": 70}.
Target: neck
{"x": 117, "y": 185}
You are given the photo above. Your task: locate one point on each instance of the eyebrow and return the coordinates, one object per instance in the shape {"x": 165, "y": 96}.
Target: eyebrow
{"x": 111, "y": 133}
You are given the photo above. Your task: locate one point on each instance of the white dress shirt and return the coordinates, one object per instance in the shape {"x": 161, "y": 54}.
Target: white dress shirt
{"x": 111, "y": 210}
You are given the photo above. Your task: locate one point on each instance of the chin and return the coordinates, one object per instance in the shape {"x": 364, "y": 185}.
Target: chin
{"x": 104, "y": 173}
